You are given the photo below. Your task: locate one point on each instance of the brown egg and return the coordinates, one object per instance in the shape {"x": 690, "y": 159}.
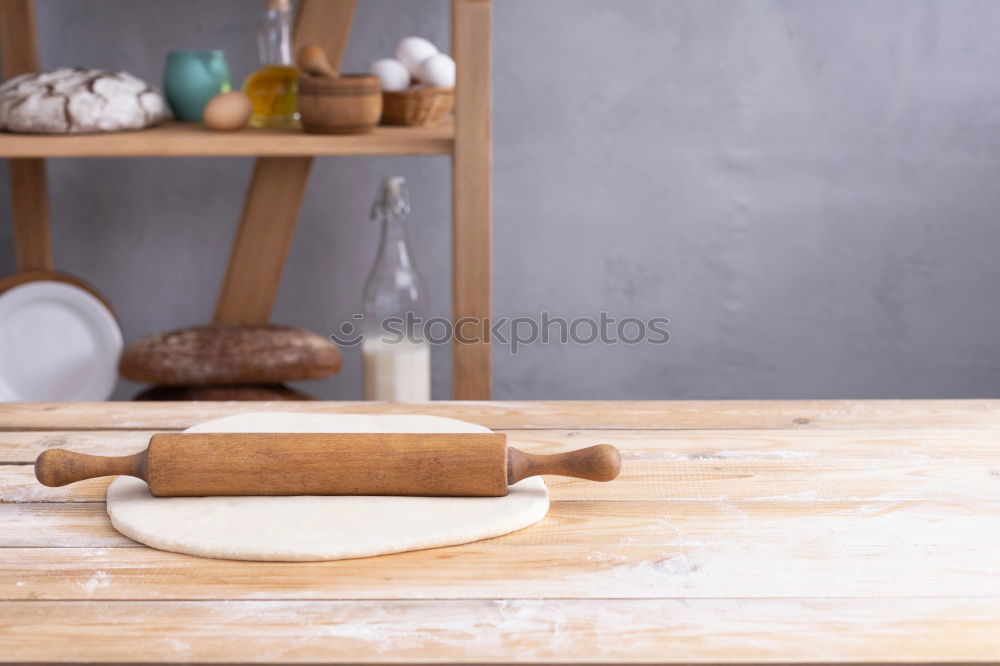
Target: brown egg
{"x": 228, "y": 111}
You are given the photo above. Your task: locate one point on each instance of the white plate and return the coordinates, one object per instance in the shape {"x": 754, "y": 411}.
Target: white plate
{"x": 58, "y": 343}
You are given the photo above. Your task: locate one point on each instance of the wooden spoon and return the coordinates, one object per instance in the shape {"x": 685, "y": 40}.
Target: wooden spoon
{"x": 313, "y": 60}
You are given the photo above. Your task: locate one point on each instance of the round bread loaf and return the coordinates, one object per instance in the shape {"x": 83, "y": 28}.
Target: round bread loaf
{"x": 226, "y": 355}
{"x": 72, "y": 101}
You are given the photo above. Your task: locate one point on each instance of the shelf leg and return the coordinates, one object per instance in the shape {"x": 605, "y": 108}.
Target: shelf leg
{"x": 262, "y": 241}
{"x": 276, "y": 188}
{"x": 30, "y": 207}
{"x": 327, "y": 23}
{"x": 29, "y": 200}
{"x": 472, "y": 207}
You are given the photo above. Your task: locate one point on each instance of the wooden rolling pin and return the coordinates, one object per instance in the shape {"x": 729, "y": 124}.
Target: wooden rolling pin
{"x": 454, "y": 465}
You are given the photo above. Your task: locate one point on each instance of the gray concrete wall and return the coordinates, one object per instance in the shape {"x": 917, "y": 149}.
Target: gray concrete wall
{"x": 809, "y": 190}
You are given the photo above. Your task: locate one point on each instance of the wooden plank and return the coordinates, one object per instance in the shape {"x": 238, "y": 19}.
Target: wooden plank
{"x": 24, "y": 447}
{"x": 29, "y": 189}
{"x": 914, "y": 444}
{"x": 326, "y": 23}
{"x": 18, "y": 485}
{"x": 862, "y": 479}
{"x": 262, "y": 241}
{"x": 18, "y": 38}
{"x": 477, "y": 571}
{"x": 472, "y": 205}
{"x": 857, "y": 479}
{"x": 69, "y": 525}
{"x": 705, "y": 446}
{"x": 30, "y": 212}
{"x": 762, "y": 465}
{"x": 188, "y": 140}
{"x": 969, "y": 415}
{"x": 632, "y": 631}
{"x": 608, "y": 525}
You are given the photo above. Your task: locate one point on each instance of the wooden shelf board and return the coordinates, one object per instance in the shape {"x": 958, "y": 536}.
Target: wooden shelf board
{"x": 190, "y": 140}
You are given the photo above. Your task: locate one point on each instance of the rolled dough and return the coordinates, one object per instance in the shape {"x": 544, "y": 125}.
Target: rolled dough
{"x": 308, "y": 528}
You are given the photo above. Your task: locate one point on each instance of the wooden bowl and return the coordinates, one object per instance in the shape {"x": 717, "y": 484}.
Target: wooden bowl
{"x": 351, "y": 104}
{"x": 418, "y": 107}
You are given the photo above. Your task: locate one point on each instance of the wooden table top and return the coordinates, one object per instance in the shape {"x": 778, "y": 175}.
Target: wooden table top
{"x": 738, "y": 532}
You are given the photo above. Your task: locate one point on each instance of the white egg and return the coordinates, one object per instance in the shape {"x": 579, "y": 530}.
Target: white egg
{"x": 392, "y": 73}
{"x": 412, "y": 51}
{"x": 438, "y": 70}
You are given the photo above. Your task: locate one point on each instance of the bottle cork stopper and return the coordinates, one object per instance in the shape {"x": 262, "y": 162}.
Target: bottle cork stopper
{"x": 279, "y": 5}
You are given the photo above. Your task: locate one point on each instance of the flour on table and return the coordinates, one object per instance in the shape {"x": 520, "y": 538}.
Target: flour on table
{"x": 309, "y": 528}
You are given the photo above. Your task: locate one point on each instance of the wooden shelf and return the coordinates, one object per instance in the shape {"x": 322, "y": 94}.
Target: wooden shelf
{"x": 189, "y": 140}
{"x": 281, "y": 172}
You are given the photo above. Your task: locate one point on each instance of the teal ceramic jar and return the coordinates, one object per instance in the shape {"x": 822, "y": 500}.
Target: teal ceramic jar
{"x": 191, "y": 79}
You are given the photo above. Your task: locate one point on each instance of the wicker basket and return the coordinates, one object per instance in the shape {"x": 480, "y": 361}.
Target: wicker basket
{"x": 418, "y": 107}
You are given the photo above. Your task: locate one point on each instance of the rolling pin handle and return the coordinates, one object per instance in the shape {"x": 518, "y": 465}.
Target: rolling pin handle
{"x": 58, "y": 467}
{"x": 596, "y": 463}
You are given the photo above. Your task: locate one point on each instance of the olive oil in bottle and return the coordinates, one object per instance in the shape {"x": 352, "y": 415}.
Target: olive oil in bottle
{"x": 272, "y": 88}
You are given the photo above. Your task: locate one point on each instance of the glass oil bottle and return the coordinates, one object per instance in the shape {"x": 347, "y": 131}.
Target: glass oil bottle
{"x": 272, "y": 88}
